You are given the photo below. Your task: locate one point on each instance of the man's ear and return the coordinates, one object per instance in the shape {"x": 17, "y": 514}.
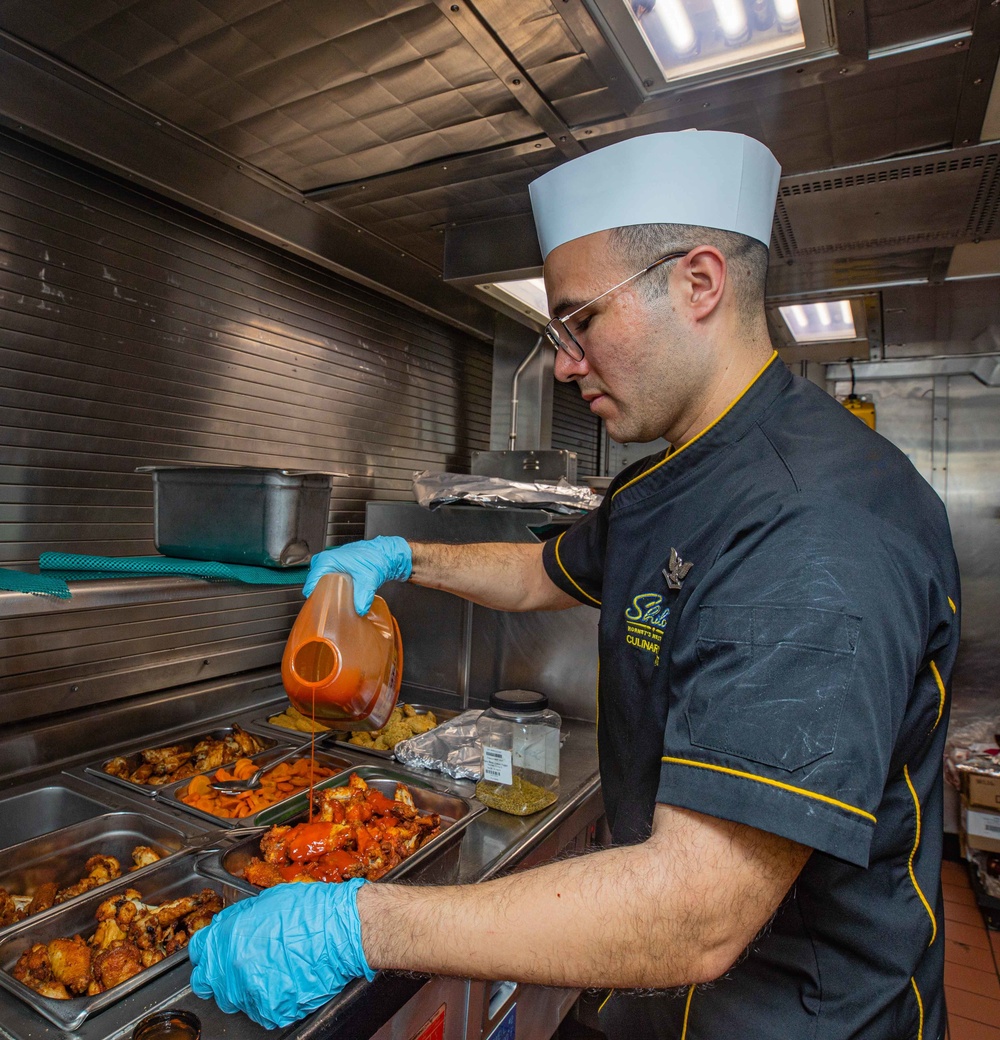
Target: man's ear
{"x": 704, "y": 271}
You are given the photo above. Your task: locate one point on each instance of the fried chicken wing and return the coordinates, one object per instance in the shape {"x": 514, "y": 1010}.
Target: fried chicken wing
{"x": 164, "y": 765}
{"x": 70, "y": 963}
{"x": 168, "y": 759}
{"x": 33, "y": 966}
{"x": 120, "y": 961}
{"x": 44, "y": 897}
{"x": 12, "y": 908}
{"x": 143, "y": 855}
{"x": 130, "y": 936}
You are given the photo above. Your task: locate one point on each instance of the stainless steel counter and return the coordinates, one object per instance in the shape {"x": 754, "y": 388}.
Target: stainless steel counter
{"x": 492, "y": 844}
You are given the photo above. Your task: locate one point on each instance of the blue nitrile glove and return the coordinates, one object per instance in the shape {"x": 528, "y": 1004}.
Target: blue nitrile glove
{"x": 369, "y": 563}
{"x": 282, "y": 954}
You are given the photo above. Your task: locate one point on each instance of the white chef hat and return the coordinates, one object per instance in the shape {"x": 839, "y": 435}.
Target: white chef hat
{"x": 702, "y": 178}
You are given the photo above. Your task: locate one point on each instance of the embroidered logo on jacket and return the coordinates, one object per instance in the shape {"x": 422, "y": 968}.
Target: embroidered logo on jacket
{"x": 646, "y": 618}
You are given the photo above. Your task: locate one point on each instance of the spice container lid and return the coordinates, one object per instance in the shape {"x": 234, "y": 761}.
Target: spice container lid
{"x": 518, "y": 700}
{"x": 172, "y": 1024}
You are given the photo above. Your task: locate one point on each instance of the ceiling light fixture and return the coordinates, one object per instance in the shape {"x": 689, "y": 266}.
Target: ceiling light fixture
{"x": 823, "y": 322}
{"x": 526, "y": 295}
{"x": 664, "y": 42}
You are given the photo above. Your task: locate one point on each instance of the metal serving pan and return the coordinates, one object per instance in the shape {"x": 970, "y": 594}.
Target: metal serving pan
{"x": 59, "y": 856}
{"x": 29, "y": 814}
{"x": 265, "y": 725}
{"x": 456, "y": 814}
{"x": 170, "y": 795}
{"x": 134, "y": 758}
{"x": 240, "y": 514}
{"x": 164, "y": 881}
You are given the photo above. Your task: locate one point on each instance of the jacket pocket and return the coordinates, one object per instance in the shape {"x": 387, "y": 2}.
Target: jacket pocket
{"x": 771, "y": 683}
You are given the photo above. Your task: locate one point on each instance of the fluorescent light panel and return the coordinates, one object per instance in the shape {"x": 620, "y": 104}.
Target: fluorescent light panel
{"x": 824, "y": 322}
{"x": 526, "y": 294}
{"x": 692, "y": 37}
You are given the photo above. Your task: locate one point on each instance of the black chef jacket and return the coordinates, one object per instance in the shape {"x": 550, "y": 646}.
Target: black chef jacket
{"x": 795, "y": 682}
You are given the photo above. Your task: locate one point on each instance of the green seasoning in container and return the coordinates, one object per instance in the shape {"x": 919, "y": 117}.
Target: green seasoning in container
{"x": 520, "y": 739}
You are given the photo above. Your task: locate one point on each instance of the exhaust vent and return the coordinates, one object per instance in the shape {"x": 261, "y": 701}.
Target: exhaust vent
{"x": 923, "y": 201}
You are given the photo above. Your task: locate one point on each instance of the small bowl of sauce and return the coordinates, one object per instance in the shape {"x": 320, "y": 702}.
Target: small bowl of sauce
{"x": 171, "y": 1024}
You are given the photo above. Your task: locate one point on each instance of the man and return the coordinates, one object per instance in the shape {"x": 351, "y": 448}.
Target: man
{"x": 778, "y": 625}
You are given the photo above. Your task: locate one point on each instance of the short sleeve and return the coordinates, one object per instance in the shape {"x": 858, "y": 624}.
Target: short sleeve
{"x": 575, "y": 559}
{"x": 794, "y": 663}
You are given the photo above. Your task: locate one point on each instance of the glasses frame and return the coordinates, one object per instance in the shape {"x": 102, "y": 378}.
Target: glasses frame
{"x": 573, "y": 348}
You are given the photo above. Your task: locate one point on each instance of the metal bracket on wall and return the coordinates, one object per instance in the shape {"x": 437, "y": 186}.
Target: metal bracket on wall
{"x": 984, "y": 367}
{"x": 939, "y": 437}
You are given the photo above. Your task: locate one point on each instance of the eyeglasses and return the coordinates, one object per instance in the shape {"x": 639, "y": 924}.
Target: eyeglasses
{"x": 557, "y": 332}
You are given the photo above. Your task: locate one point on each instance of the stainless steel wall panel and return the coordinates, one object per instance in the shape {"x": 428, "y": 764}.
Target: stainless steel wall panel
{"x": 136, "y": 332}
{"x": 576, "y": 428}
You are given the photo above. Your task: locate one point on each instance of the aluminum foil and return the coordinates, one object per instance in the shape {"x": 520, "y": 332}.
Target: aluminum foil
{"x": 451, "y": 748}
{"x": 438, "y": 489}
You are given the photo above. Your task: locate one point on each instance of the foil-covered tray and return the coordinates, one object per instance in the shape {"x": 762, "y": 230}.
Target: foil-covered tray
{"x": 265, "y": 725}
{"x": 456, "y": 814}
{"x": 178, "y": 877}
{"x": 133, "y": 759}
{"x": 59, "y": 857}
{"x": 171, "y": 795}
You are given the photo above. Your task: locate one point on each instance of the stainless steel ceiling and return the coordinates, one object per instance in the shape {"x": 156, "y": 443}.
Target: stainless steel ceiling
{"x": 400, "y": 120}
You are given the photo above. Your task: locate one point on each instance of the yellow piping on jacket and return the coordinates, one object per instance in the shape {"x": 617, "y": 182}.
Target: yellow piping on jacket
{"x": 913, "y": 853}
{"x": 773, "y": 783}
{"x": 718, "y": 419}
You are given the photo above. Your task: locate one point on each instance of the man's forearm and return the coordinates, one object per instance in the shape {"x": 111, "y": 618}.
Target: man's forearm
{"x": 674, "y": 911}
{"x": 502, "y": 575}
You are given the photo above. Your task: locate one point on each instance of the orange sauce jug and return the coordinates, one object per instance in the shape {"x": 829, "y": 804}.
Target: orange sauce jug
{"x": 341, "y": 669}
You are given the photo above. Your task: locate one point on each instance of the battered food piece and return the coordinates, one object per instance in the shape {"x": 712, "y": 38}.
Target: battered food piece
{"x": 404, "y": 722}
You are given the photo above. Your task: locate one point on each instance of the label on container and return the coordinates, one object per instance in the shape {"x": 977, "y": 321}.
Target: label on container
{"x": 497, "y": 766}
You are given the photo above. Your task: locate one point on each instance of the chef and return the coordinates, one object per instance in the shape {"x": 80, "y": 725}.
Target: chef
{"x": 779, "y": 619}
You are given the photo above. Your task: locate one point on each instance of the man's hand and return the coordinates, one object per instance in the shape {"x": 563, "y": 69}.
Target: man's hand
{"x": 282, "y": 954}
{"x": 369, "y": 563}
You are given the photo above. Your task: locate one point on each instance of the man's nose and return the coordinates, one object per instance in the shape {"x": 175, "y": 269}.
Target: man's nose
{"x": 567, "y": 369}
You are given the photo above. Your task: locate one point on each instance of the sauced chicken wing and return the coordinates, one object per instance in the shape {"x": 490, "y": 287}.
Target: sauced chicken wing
{"x": 356, "y": 832}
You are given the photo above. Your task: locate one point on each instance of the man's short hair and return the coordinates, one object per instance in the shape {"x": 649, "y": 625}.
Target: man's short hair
{"x": 641, "y": 244}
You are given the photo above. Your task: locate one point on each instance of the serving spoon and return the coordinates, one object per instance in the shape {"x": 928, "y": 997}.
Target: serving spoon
{"x": 252, "y": 782}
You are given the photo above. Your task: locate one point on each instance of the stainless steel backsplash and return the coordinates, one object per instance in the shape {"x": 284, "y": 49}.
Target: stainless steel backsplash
{"x": 136, "y": 332}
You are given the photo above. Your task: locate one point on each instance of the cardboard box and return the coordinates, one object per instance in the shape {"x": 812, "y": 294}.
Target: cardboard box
{"x": 981, "y": 789}
{"x": 981, "y": 828}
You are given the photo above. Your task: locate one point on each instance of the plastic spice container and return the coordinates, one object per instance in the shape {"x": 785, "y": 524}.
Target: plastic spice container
{"x": 520, "y": 738}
